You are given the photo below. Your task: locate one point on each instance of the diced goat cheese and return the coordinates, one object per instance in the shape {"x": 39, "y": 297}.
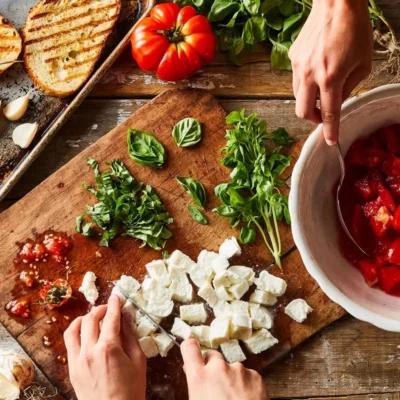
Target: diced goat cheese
{"x": 128, "y": 285}
{"x": 148, "y": 346}
{"x": 207, "y": 293}
{"x": 226, "y": 279}
{"x": 223, "y": 294}
{"x": 164, "y": 343}
{"x": 239, "y": 290}
{"x": 180, "y": 288}
{"x": 232, "y": 351}
{"x": 240, "y": 307}
{"x": 88, "y": 287}
{"x": 145, "y": 328}
{"x": 260, "y": 317}
{"x": 241, "y": 327}
{"x": 140, "y": 317}
{"x": 219, "y": 331}
{"x": 260, "y": 341}
{"x": 200, "y": 276}
{"x": 158, "y": 271}
{"x": 160, "y": 307}
{"x": 261, "y": 297}
{"x": 205, "y": 258}
{"x": 181, "y": 261}
{"x": 181, "y": 329}
{"x": 230, "y": 248}
{"x": 202, "y": 334}
{"x": 139, "y": 299}
{"x": 271, "y": 284}
{"x": 158, "y": 298}
{"x": 193, "y": 313}
{"x": 244, "y": 272}
{"x": 298, "y": 310}
{"x": 219, "y": 263}
{"x": 222, "y": 309}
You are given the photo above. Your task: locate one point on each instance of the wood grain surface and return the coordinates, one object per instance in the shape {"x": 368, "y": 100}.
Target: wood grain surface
{"x": 56, "y": 202}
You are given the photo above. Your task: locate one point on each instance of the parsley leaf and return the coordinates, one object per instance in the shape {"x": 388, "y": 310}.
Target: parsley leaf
{"x": 195, "y": 189}
{"x": 198, "y": 215}
{"x": 187, "y": 132}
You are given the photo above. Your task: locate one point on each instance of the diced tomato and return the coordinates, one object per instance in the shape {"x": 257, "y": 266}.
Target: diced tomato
{"x": 56, "y": 294}
{"x": 370, "y": 271}
{"x": 380, "y": 261}
{"x": 391, "y": 166}
{"x": 26, "y": 278}
{"x": 375, "y": 175}
{"x": 381, "y": 222}
{"x": 366, "y": 190}
{"x": 373, "y": 157}
{"x": 389, "y": 279}
{"x": 57, "y": 246}
{"x": 32, "y": 252}
{"x": 394, "y": 183}
{"x": 370, "y": 209}
{"x": 354, "y": 154}
{"x": 393, "y": 252}
{"x": 391, "y": 138}
{"x": 396, "y": 220}
{"x": 21, "y": 308}
{"x": 387, "y": 198}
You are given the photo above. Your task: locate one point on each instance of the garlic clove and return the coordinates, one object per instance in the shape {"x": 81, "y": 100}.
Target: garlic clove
{"x": 24, "y": 134}
{"x": 17, "y": 108}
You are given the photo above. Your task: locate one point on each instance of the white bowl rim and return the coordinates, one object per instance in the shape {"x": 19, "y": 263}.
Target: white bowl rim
{"x": 334, "y": 293}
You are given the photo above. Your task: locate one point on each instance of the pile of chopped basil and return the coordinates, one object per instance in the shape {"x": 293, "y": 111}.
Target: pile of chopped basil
{"x": 125, "y": 207}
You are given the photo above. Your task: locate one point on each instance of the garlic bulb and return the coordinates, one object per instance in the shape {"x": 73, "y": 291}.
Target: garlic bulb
{"x": 24, "y": 134}
{"x": 16, "y": 373}
{"x": 16, "y": 109}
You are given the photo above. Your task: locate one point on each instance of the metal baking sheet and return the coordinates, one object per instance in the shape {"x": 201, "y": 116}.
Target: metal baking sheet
{"x": 50, "y": 112}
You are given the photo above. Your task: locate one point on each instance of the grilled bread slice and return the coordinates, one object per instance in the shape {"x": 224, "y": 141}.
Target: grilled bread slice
{"x": 10, "y": 43}
{"x": 63, "y": 40}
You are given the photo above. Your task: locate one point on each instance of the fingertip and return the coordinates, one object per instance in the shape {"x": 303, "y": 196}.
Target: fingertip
{"x": 114, "y": 300}
{"x": 191, "y": 353}
{"x": 330, "y": 142}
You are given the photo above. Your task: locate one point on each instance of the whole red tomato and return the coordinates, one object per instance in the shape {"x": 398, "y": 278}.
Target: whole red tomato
{"x": 174, "y": 42}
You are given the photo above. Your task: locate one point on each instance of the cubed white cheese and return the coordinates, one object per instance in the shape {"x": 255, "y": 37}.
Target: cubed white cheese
{"x": 245, "y": 273}
{"x": 222, "y": 309}
{"x": 202, "y": 334}
{"x": 158, "y": 271}
{"x": 260, "y": 317}
{"x": 230, "y": 248}
{"x": 240, "y": 307}
{"x": 139, "y": 299}
{"x": 219, "y": 263}
{"x": 181, "y": 292}
{"x": 205, "y": 258}
{"x": 88, "y": 287}
{"x": 158, "y": 298}
{"x": 128, "y": 285}
{"x": 148, "y": 346}
{"x": 200, "y": 276}
{"x": 271, "y": 284}
{"x": 207, "y": 293}
{"x": 241, "y": 327}
{"x": 298, "y": 310}
{"x": 180, "y": 261}
{"x": 261, "y": 297}
{"x": 260, "y": 341}
{"x": 226, "y": 279}
{"x": 140, "y": 317}
{"x": 181, "y": 329}
{"x": 219, "y": 331}
{"x": 223, "y": 294}
{"x": 193, "y": 313}
{"x": 164, "y": 343}
{"x": 160, "y": 307}
{"x": 145, "y": 328}
{"x": 232, "y": 352}
{"x": 239, "y": 290}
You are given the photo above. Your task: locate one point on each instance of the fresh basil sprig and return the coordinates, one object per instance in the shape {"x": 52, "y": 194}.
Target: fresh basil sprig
{"x": 145, "y": 149}
{"x": 187, "y": 132}
{"x": 194, "y": 188}
{"x": 198, "y": 215}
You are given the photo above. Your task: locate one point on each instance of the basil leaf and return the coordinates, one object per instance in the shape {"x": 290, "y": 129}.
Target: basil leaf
{"x": 289, "y": 25}
{"x": 221, "y": 9}
{"x": 280, "y": 56}
{"x": 195, "y": 189}
{"x": 255, "y": 30}
{"x": 87, "y": 230}
{"x": 187, "y": 132}
{"x": 252, "y": 6}
{"x": 287, "y": 7}
{"x": 248, "y": 234}
{"x": 79, "y": 221}
{"x": 281, "y": 136}
{"x": 268, "y": 5}
{"x": 165, "y": 255}
{"x": 197, "y": 215}
{"x": 145, "y": 149}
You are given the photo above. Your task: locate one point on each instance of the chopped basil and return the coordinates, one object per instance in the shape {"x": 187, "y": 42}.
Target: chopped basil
{"x": 197, "y": 215}
{"x": 194, "y": 188}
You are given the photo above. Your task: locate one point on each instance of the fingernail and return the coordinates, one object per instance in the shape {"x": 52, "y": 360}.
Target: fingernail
{"x": 330, "y": 142}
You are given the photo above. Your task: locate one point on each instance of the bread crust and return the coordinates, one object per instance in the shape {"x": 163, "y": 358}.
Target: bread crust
{"x": 10, "y": 43}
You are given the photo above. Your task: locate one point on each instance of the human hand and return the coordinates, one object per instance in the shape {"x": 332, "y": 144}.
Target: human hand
{"x": 331, "y": 55}
{"x": 105, "y": 363}
{"x": 213, "y": 378}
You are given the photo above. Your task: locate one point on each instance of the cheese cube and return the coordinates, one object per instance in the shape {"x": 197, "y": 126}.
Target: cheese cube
{"x": 158, "y": 298}
{"x": 88, "y": 287}
{"x": 245, "y": 273}
{"x": 180, "y": 288}
{"x": 128, "y": 285}
{"x": 261, "y": 317}
{"x": 148, "y": 346}
{"x": 193, "y": 313}
{"x": 241, "y": 327}
{"x": 298, "y": 310}
{"x": 181, "y": 329}
{"x": 207, "y": 293}
{"x": 160, "y": 307}
{"x": 271, "y": 284}
{"x": 240, "y": 307}
{"x": 158, "y": 271}
{"x": 239, "y": 290}
{"x": 205, "y": 258}
{"x": 202, "y": 334}
{"x": 223, "y": 294}
{"x": 260, "y": 341}
{"x": 180, "y": 261}
{"x": 261, "y": 297}
{"x": 139, "y": 299}
{"x": 222, "y": 309}
{"x": 230, "y": 248}
{"x": 219, "y": 331}
{"x": 232, "y": 352}
{"x": 164, "y": 343}
{"x": 145, "y": 328}
{"x": 140, "y": 317}
{"x": 200, "y": 276}
{"x": 204, "y": 350}
{"x": 219, "y": 263}
{"x": 226, "y": 279}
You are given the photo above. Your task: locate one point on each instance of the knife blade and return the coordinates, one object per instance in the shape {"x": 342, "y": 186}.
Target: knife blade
{"x": 11, "y": 62}
{"x": 158, "y": 326}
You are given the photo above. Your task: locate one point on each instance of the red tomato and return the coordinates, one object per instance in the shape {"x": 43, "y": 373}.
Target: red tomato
{"x": 389, "y": 279}
{"x": 56, "y": 294}
{"x": 173, "y": 42}
{"x": 26, "y": 278}
{"x": 21, "y": 308}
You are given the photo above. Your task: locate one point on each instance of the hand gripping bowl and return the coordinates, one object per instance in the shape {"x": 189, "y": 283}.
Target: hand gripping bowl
{"x": 313, "y": 211}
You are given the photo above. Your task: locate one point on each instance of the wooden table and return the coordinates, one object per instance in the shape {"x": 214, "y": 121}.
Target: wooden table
{"x": 347, "y": 359}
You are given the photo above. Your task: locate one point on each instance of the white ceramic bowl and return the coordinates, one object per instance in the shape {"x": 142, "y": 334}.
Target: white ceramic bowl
{"x": 312, "y": 207}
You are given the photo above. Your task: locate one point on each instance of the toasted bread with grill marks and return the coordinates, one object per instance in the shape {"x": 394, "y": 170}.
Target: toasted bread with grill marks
{"x": 63, "y": 40}
{"x": 10, "y": 43}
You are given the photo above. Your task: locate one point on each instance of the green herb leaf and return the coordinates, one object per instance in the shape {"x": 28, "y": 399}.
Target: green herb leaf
{"x": 197, "y": 215}
{"x": 280, "y": 55}
{"x": 187, "y": 132}
{"x": 248, "y": 234}
{"x": 281, "y": 136}
{"x": 165, "y": 255}
{"x": 255, "y": 31}
{"x": 252, "y": 6}
{"x": 195, "y": 189}
{"x": 87, "y": 230}
{"x": 145, "y": 149}
{"x": 221, "y": 9}
{"x": 79, "y": 221}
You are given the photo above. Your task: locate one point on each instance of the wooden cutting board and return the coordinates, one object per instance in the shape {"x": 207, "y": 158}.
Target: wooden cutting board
{"x": 55, "y": 204}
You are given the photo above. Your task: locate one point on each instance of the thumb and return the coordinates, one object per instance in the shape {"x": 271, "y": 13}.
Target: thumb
{"x": 191, "y": 355}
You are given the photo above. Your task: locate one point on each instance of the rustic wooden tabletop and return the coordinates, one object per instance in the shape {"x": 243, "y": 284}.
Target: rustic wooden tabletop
{"x": 347, "y": 359}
